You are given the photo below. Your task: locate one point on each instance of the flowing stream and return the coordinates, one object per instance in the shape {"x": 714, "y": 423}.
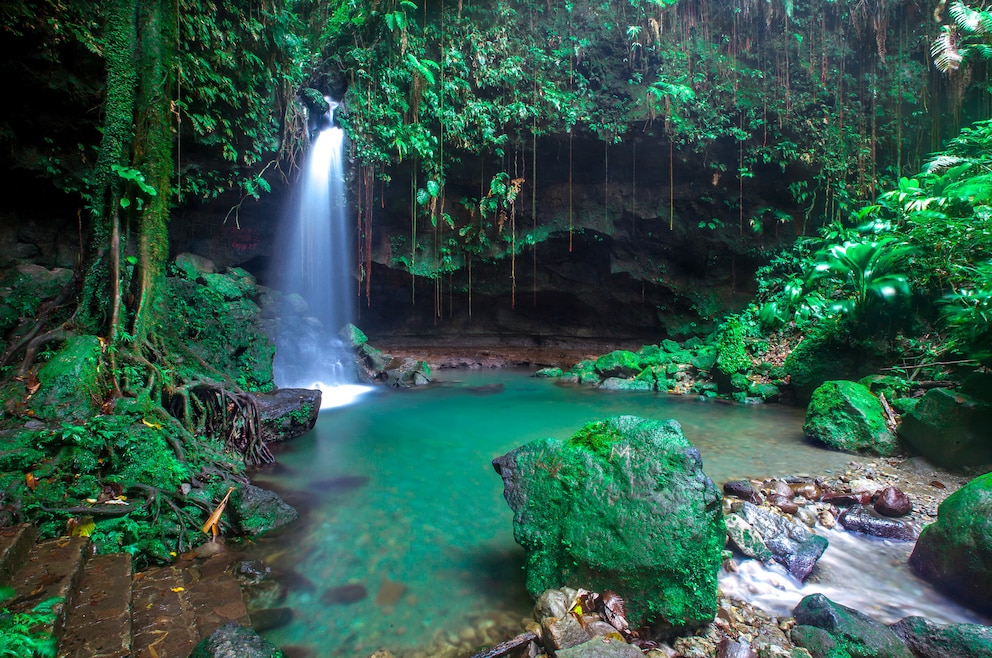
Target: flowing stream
{"x": 406, "y": 536}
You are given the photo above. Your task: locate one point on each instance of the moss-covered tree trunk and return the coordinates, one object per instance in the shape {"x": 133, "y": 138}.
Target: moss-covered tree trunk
{"x": 120, "y": 45}
{"x": 153, "y": 157}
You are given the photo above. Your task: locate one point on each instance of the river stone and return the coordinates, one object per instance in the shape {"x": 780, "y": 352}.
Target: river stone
{"x": 790, "y": 542}
{"x": 955, "y": 552}
{"x": 859, "y": 518}
{"x": 845, "y": 416}
{"x": 851, "y": 633}
{"x": 257, "y": 510}
{"x": 928, "y": 639}
{"x": 742, "y": 489}
{"x": 234, "y": 641}
{"x": 620, "y": 384}
{"x": 287, "y": 413}
{"x": 893, "y": 502}
{"x": 601, "y": 647}
{"x": 746, "y": 539}
{"x": 622, "y": 505}
{"x": 949, "y": 429}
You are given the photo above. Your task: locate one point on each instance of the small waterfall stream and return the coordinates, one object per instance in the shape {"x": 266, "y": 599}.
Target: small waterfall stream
{"x": 315, "y": 273}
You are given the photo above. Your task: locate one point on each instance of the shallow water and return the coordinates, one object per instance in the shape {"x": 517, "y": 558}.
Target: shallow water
{"x": 406, "y": 534}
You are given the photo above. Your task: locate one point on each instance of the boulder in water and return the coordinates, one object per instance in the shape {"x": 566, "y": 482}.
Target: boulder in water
{"x": 622, "y": 505}
{"x": 929, "y": 639}
{"x": 287, "y": 413}
{"x": 790, "y": 542}
{"x": 845, "y": 416}
{"x": 257, "y": 510}
{"x": 828, "y": 629}
{"x": 955, "y": 553}
{"x": 893, "y": 502}
{"x": 864, "y": 520}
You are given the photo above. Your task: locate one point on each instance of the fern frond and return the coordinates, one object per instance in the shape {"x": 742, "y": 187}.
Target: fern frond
{"x": 966, "y": 18}
{"x": 944, "y": 50}
{"x": 942, "y": 162}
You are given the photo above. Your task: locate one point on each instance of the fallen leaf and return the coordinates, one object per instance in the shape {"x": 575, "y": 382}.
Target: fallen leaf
{"x": 178, "y": 589}
{"x": 31, "y": 481}
{"x": 938, "y": 484}
{"x": 154, "y": 426}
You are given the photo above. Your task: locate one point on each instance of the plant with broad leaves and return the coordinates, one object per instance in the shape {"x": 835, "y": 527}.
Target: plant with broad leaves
{"x": 862, "y": 274}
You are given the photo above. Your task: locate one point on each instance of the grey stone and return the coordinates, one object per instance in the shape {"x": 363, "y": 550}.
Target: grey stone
{"x": 601, "y": 647}
{"x": 233, "y": 641}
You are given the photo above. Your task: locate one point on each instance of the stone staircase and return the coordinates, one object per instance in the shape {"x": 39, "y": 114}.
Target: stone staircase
{"x": 106, "y": 612}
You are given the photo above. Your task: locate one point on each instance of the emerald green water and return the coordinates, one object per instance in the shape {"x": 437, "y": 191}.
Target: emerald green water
{"x": 403, "y": 511}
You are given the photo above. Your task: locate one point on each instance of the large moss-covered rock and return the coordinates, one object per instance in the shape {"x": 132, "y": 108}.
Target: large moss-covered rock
{"x": 949, "y": 429}
{"x": 825, "y": 354}
{"x": 618, "y": 363}
{"x": 830, "y": 630}
{"x": 932, "y": 640}
{"x": 845, "y": 416}
{"x": 287, "y": 413}
{"x": 70, "y": 381}
{"x": 955, "y": 553}
{"x": 622, "y": 505}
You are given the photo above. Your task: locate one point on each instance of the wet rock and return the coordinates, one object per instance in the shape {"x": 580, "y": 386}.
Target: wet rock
{"x": 344, "y": 594}
{"x": 563, "y": 632}
{"x": 619, "y": 363}
{"x": 807, "y": 516}
{"x": 844, "y": 415}
{"x": 808, "y": 490}
{"x": 623, "y": 505}
{"x": 864, "y": 520}
{"x": 746, "y": 539}
{"x": 779, "y": 488}
{"x": 955, "y": 553}
{"x": 790, "y": 542}
{"x": 234, "y": 641}
{"x": 601, "y": 647}
{"x": 405, "y": 372}
{"x": 844, "y": 499}
{"x": 784, "y": 503}
{"x": 257, "y": 511}
{"x": 742, "y": 489}
{"x": 826, "y": 518}
{"x": 287, "y": 413}
{"x": 829, "y": 629}
{"x": 928, "y": 639}
{"x": 949, "y": 429}
{"x": 729, "y": 648}
{"x": 553, "y": 603}
{"x": 893, "y": 502}
{"x": 549, "y": 373}
{"x": 864, "y": 485}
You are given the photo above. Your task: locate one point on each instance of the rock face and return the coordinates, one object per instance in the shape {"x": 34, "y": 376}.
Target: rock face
{"x": 949, "y": 429}
{"x": 622, "y": 505}
{"x": 955, "y": 553}
{"x": 287, "y": 413}
{"x": 827, "y": 629}
{"x": 845, "y": 416}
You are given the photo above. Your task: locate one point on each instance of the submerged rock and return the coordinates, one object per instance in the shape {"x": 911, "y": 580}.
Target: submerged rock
{"x": 828, "y": 630}
{"x": 955, "y": 553}
{"x": 844, "y": 415}
{"x": 623, "y": 505}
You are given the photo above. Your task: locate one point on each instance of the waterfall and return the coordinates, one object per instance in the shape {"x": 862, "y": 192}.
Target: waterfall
{"x": 314, "y": 273}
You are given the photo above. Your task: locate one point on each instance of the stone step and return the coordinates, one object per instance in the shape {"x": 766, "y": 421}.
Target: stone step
{"x": 16, "y": 543}
{"x": 163, "y": 624}
{"x": 215, "y": 595}
{"x": 99, "y": 623}
{"x": 53, "y": 569}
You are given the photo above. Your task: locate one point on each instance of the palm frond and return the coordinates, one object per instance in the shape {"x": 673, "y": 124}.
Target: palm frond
{"x": 944, "y": 50}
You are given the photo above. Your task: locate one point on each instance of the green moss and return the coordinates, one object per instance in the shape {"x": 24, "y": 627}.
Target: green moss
{"x": 70, "y": 381}
{"x": 596, "y": 437}
{"x": 732, "y": 354}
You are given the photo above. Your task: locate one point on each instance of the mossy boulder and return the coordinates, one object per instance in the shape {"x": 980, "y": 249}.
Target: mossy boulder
{"x": 955, "y": 552}
{"x": 925, "y": 637}
{"x": 949, "y": 429}
{"x": 257, "y": 510}
{"x": 622, "y": 505}
{"x": 830, "y": 630}
{"x": 618, "y": 363}
{"x": 192, "y": 266}
{"x": 621, "y": 384}
{"x": 23, "y": 288}
{"x": 354, "y": 336}
{"x": 549, "y": 373}
{"x": 287, "y": 413}
{"x": 844, "y": 415}
{"x": 825, "y": 354}
{"x": 70, "y": 381}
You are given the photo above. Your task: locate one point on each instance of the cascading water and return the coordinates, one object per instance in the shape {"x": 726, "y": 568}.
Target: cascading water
{"x": 316, "y": 265}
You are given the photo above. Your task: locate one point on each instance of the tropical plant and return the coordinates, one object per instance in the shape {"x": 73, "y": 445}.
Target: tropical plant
{"x": 23, "y": 634}
{"x": 969, "y": 31}
{"x": 862, "y": 274}
{"x": 967, "y": 315}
